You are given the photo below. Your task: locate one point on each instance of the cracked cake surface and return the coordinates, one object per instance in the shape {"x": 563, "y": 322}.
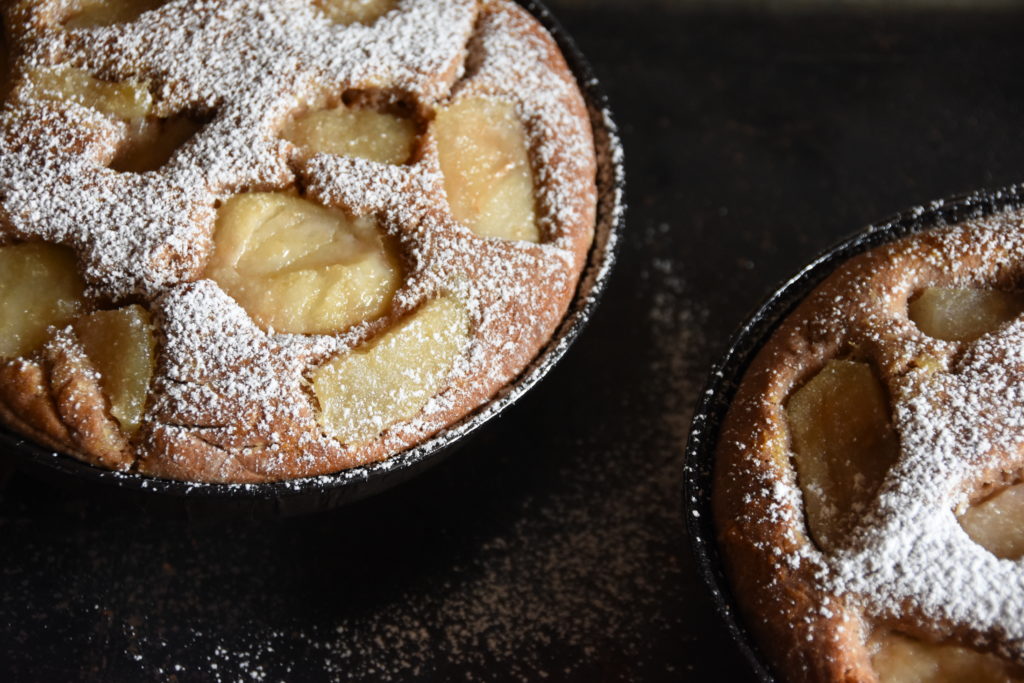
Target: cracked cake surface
{"x": 867, "y": 484}
{"x": 279, "y": 238}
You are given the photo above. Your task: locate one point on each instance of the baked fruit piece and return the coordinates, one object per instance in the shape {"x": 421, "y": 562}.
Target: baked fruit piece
{"x": 867, "y": 487}
{"x": 249, "y": 241}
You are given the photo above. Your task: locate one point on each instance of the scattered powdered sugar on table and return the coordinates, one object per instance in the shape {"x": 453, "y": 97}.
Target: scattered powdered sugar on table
{"x": 552, "y": 574}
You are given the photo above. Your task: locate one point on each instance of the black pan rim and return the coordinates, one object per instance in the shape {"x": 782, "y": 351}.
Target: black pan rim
{"x": 746, "y": 341}
{"x": 357, "y": 483}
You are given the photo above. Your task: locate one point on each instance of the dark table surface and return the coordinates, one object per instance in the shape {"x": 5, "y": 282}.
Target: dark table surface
{"x": 553, "y": 546}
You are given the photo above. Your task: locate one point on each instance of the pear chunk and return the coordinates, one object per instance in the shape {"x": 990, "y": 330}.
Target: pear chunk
{"x": 150, "y": 140}
{"x": 388, "y": 381}
{"x": 121, "y": 347}
{"x": 128, "y": 100}
{"x": 354, "y": 132}
{"x": 301, "y": 268}
{"x": 484, "y": 157}
{"x": 902, "y": 659}
{"x": 997, "y": 523}
{"x": 39, "y": 287}
{"x": 843, "y": 444}
{"x": 355, "y": 11}
{"x": 90, "y": 13}
{"x": 963, "y": 314}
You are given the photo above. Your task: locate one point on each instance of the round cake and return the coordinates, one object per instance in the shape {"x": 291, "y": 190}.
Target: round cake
{"x": 255, "y": 240}
{"x": 867, "y": 485}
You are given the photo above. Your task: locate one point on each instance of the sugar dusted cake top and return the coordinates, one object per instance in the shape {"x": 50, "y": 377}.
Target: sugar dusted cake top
{"x": 319, "y": 240}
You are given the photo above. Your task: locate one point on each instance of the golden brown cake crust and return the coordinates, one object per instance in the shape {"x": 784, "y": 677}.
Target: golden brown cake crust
{"x": 811, "y": 612}
{"x": 229, "y": 401}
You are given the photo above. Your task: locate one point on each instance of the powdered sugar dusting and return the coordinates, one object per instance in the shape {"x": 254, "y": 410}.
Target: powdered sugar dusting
{"x": 954, "y": 427}
{"x": 555, "y": 582}
{"x": 226, "y": 389}
{"x": 960, "y": 426}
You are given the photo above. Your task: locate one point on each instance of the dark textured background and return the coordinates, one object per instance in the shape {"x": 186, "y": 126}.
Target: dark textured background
{"x": 554, "y": 544}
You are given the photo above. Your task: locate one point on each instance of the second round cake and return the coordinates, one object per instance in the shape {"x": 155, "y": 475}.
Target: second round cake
{"x": 867, "y": 486}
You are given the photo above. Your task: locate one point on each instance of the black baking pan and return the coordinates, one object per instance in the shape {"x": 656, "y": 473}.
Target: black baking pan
{"x": 302, "y": 496}
{"x": 728, "y": 372}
